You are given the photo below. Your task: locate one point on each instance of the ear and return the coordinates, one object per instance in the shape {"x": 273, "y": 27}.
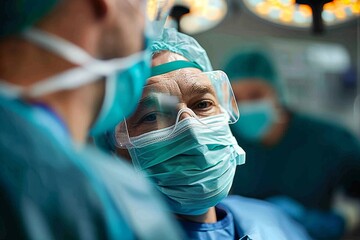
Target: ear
{"x": 100, "y": 7}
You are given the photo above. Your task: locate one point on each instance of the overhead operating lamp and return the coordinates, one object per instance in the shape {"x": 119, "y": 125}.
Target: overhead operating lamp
{"x": 317, "y": 7}
{"x": 302, "y": 14}
{"x": 195, "y": 16}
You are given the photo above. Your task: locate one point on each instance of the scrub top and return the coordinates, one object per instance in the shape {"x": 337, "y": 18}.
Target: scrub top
{"x": 246, "y": 219}
{"x": 311, "y": 160}
{"x": 53, "y": 189}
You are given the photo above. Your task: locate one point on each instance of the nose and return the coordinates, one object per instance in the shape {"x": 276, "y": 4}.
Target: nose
{"x": 184, "y": 115}
{"x": 184, "y": 112}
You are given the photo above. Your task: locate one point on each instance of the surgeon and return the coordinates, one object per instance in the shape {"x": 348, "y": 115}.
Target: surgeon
{"x": 295, "y": 161}
{"x": 179, "y": 137}
{"x": 70, "y": 69}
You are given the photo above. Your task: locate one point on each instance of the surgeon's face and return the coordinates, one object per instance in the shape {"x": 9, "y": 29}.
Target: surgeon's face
{"x": 185, "y": 85}
{"x": 253, "y": 90}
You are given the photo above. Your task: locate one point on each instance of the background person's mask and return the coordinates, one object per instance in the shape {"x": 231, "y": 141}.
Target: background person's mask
{"x": 194, "y": 165}
{"x": 256, "y": 119}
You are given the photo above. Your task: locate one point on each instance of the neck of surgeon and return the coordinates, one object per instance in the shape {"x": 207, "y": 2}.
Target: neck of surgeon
{"x": 208, "y": 217}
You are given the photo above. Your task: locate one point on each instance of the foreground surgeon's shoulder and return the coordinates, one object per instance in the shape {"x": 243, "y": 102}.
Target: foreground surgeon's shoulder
{"x": 56, "y": 186}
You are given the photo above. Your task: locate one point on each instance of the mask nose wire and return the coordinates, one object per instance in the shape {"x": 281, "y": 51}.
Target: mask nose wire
{"x": 190, "y": 112}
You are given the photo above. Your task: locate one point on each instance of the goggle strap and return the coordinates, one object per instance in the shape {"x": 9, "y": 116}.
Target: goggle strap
{"x": 171, "y": 66}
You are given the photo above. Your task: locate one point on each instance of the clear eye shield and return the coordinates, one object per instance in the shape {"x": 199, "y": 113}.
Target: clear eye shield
{"x": 169, "y": 100}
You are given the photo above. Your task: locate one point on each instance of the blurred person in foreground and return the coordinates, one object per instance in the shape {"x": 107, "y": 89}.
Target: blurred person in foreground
{"x": 295, "y": 161}
{"x": 180, "y": 138}
{"x": 69, "y": 68}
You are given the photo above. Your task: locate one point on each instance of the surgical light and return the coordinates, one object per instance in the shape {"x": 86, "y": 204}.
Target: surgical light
{"x": 300, "y": 13}
{"x": 194, "y": 16}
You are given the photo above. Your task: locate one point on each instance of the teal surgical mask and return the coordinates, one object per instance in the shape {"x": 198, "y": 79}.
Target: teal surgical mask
{"x": 125, "y": 78}
{"x": 123, "y": 91}
{"x": 192, "y": 163}
{"x": 256, "y": 119}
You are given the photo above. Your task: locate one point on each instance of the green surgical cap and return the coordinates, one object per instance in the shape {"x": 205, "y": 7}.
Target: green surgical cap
{"x": 251, "y": 64}
{"x": 184, "y": 45}
{"x": 16, "y": 15}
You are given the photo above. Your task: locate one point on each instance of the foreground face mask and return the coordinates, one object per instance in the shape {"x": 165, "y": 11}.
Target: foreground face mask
{"x": 192, "y": 163}
{"x": 125, "y": 78}
{"x": 256, "y": 119}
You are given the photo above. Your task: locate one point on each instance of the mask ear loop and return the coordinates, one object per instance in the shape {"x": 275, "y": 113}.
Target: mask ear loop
{"x": 10, "y": 90}
{"x": 89, "y": 70}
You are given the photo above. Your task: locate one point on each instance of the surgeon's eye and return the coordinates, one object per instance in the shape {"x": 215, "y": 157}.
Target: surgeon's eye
{"x": 148, "y": 118}
{"x": 203, "y": 105}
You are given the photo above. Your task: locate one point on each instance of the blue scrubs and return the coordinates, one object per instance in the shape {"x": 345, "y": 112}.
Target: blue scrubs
{"x": 53, "y": 189}
{"x": 244, "y": 218}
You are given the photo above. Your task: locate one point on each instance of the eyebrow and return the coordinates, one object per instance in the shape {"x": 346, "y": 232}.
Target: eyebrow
{"x": 201, "y": 89}
{"x": 147, "y": 101}
{"x": 144, "y": 104}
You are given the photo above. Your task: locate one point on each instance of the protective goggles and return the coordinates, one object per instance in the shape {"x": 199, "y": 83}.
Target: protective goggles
{"x": 208, "y": 94}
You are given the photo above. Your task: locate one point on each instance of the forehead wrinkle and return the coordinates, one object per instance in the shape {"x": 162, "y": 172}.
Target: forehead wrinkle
{"x": 196, "y": 86}
{"x": 164, "y": 83}
{"x": 201, "y": 89}
{"x": 180, "y": 83}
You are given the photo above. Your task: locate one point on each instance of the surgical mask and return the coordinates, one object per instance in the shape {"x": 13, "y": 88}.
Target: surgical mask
{"x": 256, "y": 119}
{"x": 192, "y": 163}
{"x": 125, "y": 78}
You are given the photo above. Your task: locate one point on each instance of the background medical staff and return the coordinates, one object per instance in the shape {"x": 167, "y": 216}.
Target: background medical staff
{"x": 54, "y": 90}
{"x": 296, "y": 161}
{"x": 188, "y": 151}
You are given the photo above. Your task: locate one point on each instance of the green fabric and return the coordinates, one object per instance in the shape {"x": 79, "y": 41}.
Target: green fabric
{"x": 16, "y": 15}
{"x": 171, "y": 66}
{"x": 251, "y": 63}
{"x": 184, "y": 45}
{"x": 310, "y": 161}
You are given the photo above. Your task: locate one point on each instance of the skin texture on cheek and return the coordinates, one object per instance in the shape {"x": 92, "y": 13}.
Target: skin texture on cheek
{"x": 124, "y": 33}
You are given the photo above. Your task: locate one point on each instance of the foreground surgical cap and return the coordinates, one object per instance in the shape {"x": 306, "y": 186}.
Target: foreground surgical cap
{"x": 251, "y": 64}
{"x": 16, "y": 15}
{"x": 173, "y": 41}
